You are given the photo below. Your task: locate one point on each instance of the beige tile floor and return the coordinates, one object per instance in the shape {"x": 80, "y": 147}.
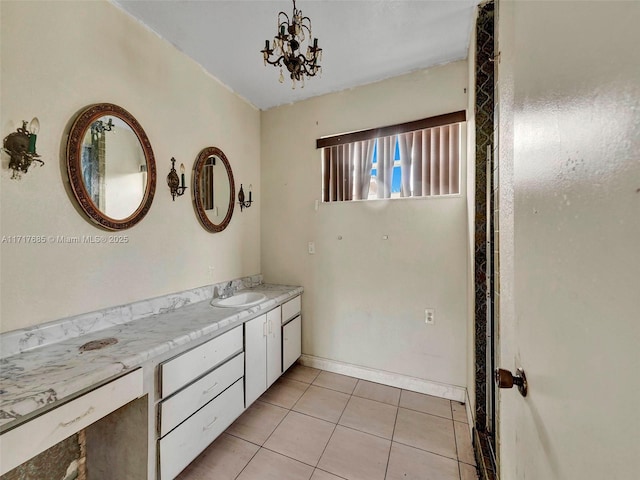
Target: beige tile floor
{"x": 318, "y": 425}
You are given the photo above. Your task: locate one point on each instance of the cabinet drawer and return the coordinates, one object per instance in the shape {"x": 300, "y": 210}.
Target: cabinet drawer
{"x": 190, "y": 438}
{"x": 179, "y": 371}
{"x": 178, "y": 407}
{"x": 291, "y": 342}
{"x": 35, "y": 436}
{"x": 290, "y": 309}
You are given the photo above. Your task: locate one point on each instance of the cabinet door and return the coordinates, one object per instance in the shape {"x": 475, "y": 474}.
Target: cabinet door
{"x": 274, "y": 345}
{"x": 291, "y": 342}
{"x": 255, "y": 354}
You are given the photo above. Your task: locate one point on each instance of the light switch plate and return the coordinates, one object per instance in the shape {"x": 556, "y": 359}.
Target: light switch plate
{"x": 430, "y": 316}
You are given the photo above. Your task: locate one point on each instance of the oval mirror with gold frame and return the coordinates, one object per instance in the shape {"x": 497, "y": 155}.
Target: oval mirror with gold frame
{"x": 111, "y": 167}
{"x": 213, "y": 189}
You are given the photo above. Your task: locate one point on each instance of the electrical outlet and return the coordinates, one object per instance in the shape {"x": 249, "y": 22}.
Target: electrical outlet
{"x": 312, "y": 248}
{"x": 430, "y": 316}
{"x": 211, "y": 270}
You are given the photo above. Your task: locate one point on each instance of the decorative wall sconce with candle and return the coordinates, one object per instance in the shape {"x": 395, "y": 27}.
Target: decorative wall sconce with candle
{"x": 244, "y": 204}
{"x": 21, "y": 147}
{"x": 176, "y": 185}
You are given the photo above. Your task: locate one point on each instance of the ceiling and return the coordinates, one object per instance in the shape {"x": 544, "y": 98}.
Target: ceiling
{"x": 363, "y": 41}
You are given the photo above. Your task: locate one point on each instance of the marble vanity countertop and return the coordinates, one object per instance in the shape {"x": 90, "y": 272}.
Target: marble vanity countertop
{"x": 39, "y": 379}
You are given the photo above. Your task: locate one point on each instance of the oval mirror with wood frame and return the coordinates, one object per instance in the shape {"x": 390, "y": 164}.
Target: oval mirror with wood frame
{"x": 213, "y": 189}
{"x": 111, "y": 166}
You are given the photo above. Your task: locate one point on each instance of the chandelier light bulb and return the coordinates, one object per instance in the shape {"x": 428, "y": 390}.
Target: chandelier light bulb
{"x": 34, "y": 126}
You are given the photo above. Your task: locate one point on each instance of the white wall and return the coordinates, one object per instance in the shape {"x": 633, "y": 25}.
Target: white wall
{"x": 569, "y": 96}
{"x": 364, "y": 296}
{"x": 57, "y": 58}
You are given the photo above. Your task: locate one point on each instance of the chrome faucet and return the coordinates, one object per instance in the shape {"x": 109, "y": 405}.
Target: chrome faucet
{"x": 226, "y": 291}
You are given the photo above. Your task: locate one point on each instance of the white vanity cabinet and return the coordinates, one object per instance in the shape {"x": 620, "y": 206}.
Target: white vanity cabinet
{"x": 202, "y": 394}
{"x": 291, "y": 342}
{"x": 263, "y": 353}
{"x": 291, "y": 332}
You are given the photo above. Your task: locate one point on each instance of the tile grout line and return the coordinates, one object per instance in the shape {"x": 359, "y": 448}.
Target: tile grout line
{"x": 378, "y": 436}
{"x": 374, "y": 400}
{"x": 369, "y": 433}
{"x": 292, "y": 410}
{"x": 351, "y": 395}
{"x": 332, "y": 389}
{"x": 333, "y": 474}
{"x": 421, "y": 411}
{"x": 275, "y": 404}
{"x": 426, "y": 413}
{"x": 284, "y": 375}
{"x": 297, "y": 459}
{"x": 344, "y": 410}
{"x": 393, "y": 434}
{"x": 331, "y": 436}
{"x": 289, "y": 457}
{"x": 455, "y": 439}
{"x": 335, "y": 426}
{"x": 427, "y": 451}
{"x": 265, "y": 441}
{"x": 326, "y": 445}
{"x": 289, "y": 410}
{"x": 252, "y": 457}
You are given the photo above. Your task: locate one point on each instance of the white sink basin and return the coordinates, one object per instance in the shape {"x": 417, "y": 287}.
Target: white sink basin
{"x": 242, "y": 299}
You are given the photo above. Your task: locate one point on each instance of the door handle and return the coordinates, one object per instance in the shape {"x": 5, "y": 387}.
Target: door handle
{"x": 506, "y": 379}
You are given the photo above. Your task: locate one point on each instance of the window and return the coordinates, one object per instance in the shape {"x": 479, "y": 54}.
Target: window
{"x": 415, "y": 159}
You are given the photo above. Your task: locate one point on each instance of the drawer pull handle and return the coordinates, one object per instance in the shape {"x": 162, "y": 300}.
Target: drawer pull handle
{"x": 210, "y": 425}
{"x": 264, "y": 329}
{"x": 66, "y": 424}
{"x": 270, "y": 325}
{"x": 210, "y": 388}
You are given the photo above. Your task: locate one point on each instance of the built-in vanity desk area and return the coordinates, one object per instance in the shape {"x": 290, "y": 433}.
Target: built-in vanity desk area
{"x": 149, "y": 385}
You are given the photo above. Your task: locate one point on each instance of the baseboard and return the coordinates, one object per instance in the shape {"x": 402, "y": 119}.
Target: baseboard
{"x": 443, "y": 390}
{"x": 471, "y": 420}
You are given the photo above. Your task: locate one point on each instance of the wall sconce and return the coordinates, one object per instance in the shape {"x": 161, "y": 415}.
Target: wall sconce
{"x": 176, "y": 186}
{"x": 241, "y": 200}
{"x": 21, "y": 147}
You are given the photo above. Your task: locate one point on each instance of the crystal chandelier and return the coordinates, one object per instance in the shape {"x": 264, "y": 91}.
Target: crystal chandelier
{"x": 288, "y": 45}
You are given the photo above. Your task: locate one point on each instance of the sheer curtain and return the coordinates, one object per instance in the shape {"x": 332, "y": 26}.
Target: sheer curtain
{"x": 347, "y": 171}
{"x": 364, "y": 162}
